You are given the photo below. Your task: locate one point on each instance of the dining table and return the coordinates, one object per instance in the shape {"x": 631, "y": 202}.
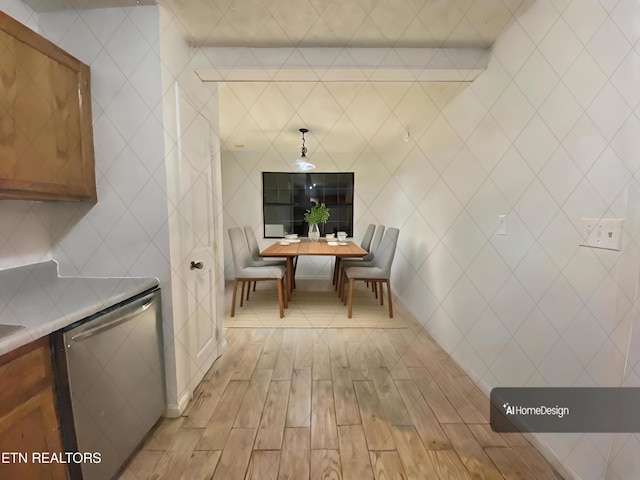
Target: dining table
{"x": 292, "y": 250}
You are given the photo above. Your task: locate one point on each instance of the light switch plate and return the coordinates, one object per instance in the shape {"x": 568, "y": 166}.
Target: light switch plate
{"x": 502, "y": 225}
{"x": 602, "y": 233}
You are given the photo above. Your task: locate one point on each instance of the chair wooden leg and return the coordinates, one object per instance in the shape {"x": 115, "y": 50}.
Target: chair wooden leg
{"x": 254, "y": 288}
{"x": 336, "y": 272}
{"x": 233, "y": 296}
{"x": 280, "y": 300}
{"x": 249, "y": 288}
{"x": 390, "y": 301}
{"x": 381, "y": 293}
{"x": 242, "y": 293}
{"x": 374, "y": 287}
{"x": 352, "y": 283}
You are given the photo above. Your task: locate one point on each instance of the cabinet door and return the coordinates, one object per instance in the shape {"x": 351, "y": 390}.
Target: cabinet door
{"x": 32, "y": 426}
{"x": 46, "y": 133}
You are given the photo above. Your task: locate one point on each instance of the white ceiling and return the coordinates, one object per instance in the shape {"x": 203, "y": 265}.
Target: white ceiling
{"x": 338, "y": 23}
{"x": 342, "y": 117}
{"x": 345, "y": 23}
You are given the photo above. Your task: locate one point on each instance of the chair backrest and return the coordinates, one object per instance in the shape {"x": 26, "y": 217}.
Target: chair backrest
{"x": 377, "y": 238}
{"x": 254, "y": 248}
{"x": 384, "y": 255}
{"x": 368, "y": 236}
{"x": 375, "y": 244}
{"x": 239, "y": 249}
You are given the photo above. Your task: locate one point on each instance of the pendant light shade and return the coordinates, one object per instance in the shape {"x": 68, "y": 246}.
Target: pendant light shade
{"x": 302, "y": 161}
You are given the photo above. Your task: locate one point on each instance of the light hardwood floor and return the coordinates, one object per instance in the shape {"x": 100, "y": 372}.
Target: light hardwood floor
{"x": 348, "y": 403}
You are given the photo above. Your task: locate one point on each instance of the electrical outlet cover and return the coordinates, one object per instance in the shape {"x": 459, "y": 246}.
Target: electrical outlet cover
{"x": 602, "y": 233}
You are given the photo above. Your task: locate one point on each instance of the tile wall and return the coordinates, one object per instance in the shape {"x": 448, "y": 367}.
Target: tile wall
{"x": 126, "y": 232}
{"x": 547, "y": 136}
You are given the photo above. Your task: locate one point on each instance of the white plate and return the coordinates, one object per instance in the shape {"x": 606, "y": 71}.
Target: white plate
{"x": 285, "y": 243}
{"x": 343, "y": 243}
{"x": 293, "y": 240}
{"x": 333, "y": 244}
{"x": 291, "y": 236}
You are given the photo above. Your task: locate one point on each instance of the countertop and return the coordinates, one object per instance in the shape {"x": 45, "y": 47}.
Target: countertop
{"x": 36, "y": 297}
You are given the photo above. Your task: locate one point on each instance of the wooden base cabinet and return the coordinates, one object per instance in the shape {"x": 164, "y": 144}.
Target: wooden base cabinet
{"x": 29, "y": 425}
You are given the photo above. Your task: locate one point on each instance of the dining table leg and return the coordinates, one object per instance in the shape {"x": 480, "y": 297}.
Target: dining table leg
{"x": 289, "y": 276}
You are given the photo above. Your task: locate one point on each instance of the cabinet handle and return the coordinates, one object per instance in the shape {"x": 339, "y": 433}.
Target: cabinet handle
{"x": 134, "y": 309}
{"x": 196, "y": 266}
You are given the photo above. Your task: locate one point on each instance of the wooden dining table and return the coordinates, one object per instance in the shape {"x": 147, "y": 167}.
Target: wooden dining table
{"x": 307, "y": 247}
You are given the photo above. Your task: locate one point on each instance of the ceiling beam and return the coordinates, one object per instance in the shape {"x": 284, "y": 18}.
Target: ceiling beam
{"x": 320, "y": 64}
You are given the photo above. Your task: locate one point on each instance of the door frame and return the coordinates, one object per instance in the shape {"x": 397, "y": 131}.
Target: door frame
{"x": 180, "y": 254}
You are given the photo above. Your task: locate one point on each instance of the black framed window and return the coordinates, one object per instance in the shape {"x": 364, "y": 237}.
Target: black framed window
{"x": 286, "y": 196}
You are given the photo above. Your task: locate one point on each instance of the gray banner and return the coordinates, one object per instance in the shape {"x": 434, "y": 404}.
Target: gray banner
{"x": 568, "y": 410}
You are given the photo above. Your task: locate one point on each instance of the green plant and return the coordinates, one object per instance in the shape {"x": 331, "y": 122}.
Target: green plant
{"x": 317, "y": 214}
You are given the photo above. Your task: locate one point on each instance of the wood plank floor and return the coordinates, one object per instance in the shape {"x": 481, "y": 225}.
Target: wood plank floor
{"x": 335, "y": 403}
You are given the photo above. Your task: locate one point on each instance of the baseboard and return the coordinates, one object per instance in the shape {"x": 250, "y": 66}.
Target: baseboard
{"x": 550, "y": 456}
{"x": 176, "y": 411}
{"x": 535, "y": 440}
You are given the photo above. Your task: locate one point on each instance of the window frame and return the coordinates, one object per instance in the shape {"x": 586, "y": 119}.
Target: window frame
{"x": 280, "y": 194}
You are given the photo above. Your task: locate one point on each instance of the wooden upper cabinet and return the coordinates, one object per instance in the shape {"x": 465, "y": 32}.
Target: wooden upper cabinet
{"x": 46, "y": 134}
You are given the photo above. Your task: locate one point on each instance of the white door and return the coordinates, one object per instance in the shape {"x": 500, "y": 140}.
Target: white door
{"x": 199, "y": 218}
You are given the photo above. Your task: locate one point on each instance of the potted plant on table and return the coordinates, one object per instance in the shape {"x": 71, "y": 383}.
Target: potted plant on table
{"x": 315, "y": 215}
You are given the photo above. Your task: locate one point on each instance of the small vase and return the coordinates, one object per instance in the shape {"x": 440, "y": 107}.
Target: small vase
{"x": 314, "y": 232}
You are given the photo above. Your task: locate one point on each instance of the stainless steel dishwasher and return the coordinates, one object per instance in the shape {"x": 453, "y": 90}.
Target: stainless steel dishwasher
{"x": 116, "y": 380}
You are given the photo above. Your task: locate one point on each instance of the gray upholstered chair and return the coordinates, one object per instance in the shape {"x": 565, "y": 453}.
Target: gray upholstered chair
{"x": 368, "y": 236}
{"x": 365, "y": 261}
{"x": 258, "y": 261}
{"x": 244, "y": 271}
{"x": 378, "y": 272}
{"x": 365, "y": 244}
{"x": 254, "y": 249}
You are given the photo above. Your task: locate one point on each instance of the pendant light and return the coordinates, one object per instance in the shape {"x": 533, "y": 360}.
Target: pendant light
{"x": 302, "y": 162}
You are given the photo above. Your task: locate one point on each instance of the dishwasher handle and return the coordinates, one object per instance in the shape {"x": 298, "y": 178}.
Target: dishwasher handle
{"x": 137, "y": 307}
